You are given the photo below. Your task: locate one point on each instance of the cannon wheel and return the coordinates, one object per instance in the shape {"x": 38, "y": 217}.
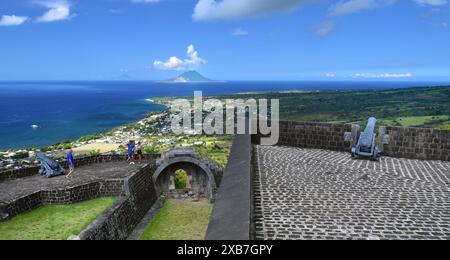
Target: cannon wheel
{"x": 375, "y": 156}
{"x": 356, "y": 133}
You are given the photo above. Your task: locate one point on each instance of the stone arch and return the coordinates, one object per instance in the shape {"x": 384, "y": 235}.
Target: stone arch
{"x": 204, "y": 175}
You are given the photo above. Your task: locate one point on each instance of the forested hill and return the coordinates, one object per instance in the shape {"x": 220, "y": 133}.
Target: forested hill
{"x": 413, "y": 107}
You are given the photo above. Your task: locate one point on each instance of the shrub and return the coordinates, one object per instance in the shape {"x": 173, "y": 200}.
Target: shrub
{"x": 90, "y": 138}
{"x": 181, "y": 179}
{"x": 20, "y": 155}
{"x": 95, "y": 152}
{"x": 151, "y": 150}
{"x": 64, "y": 146}
{"x": 216, "y": 147}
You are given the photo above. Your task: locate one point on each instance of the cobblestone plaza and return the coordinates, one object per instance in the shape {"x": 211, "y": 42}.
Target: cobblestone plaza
{"x": 321, "y": 194}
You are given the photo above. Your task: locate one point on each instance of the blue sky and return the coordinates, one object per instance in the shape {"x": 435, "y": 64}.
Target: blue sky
{"x": 227, "y": 39}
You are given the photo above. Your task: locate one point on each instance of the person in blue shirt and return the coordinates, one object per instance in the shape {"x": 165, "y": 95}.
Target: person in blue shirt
{"x": 70, "y": 163}
{"x": 131, "y": 146}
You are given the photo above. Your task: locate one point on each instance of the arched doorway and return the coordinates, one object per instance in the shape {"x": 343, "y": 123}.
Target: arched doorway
{"x": 203, "y": 175}
{"x": 180, "y": 185}
{"x": 184, "y": 179}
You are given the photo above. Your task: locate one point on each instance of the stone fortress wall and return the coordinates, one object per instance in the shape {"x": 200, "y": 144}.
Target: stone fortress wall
{"x": 418, "y": 143}
{"x": 119, "y": 221}
{"x": 136, "y": 196}
{"x": 82, "y": 161}
{"x": 101, "y": 188}
{"x": 137, "y": 193}
{"x": 412, "y": 143}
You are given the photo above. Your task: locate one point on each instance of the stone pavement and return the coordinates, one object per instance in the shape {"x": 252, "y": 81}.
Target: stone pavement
{"x": 14, "y": 189}
{"x": 319, "y": 194}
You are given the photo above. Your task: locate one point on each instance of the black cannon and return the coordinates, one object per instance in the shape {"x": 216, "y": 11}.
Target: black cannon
{"x": 49, "y": 167}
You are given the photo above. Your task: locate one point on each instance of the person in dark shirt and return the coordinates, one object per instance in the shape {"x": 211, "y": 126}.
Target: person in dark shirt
{"x": 70, "y": 163}
{"x": 139, "y": 154}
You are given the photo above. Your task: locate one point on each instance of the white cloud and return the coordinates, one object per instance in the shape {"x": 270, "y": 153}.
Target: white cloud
{"x": 240, "y": 32}
{"x": 330, "y": 75}
{"x": 58, "y": 10}
{"x": 174, "y": 63}
{"x": 12, "y": 20}
{"x": 346, "y": 7}
{"x": 240, "y": 9}
{"x": 194, "y": 59}
{"x": 324, "y": 28}
{"x": 383, "y": 75}
{"x": 432, "y": 2}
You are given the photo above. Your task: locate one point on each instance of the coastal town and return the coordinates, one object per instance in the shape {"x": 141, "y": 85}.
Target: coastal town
{"x": 154, "y": 132}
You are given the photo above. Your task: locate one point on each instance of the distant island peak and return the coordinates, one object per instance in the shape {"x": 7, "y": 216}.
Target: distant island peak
{"x": 190, "y": 77}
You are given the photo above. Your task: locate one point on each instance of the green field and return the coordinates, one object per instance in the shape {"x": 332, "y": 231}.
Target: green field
{"x": 442, "y": 122}
{"x": 411, "y": 107}
{"x": 54, "y": 222}
{"x": 180, "y": 220}
{"x": 216, "y": 148}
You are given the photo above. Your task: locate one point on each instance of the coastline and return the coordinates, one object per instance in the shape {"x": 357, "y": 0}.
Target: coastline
{"x": 93, "y": 143}
{"x": 153, "y": 131}
{"x": 340, "y": 107}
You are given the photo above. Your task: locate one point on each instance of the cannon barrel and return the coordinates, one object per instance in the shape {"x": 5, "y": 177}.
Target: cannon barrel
{"x": 49, "y": 166}
{"x": 366, "y": 146}
{"x": 367, "y": 136}
{"x": 49, "y": 161}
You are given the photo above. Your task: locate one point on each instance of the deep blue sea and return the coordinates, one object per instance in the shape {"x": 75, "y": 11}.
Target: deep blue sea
{"x": 69, "y": 110}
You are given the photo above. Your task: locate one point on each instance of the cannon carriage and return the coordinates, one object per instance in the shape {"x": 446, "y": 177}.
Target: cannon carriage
{"x": 366, "y": 144}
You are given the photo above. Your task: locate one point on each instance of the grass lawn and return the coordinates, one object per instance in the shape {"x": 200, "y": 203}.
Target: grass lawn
{"x": 180, "y": 220}
{"x": 54, "y": 222}
{"x": 420, "y": 121}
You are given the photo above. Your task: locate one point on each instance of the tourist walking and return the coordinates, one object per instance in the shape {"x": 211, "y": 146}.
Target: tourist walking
{"x": 70, "y": 163}
{"x": 131, "y": 147}
{"x": 139, "y": 152}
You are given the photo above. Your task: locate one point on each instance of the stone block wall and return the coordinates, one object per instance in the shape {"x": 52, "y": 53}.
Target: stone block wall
{"x": 83, "y": 161}
{"x": 21, "y": 205}
{"x": 136, "y": 194}
{"x": 232, "y": 214}
{"x": 115, "y": 224}
{"x": 412, "y": 143}
{"x": 17, "y": 174}
{"x": 93, "y": 190}
{"x": 121, "y": 219}
{"x": 111, "y": 188}
{"x": 314, "y": 135}
{"x": 418, "y": 143}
